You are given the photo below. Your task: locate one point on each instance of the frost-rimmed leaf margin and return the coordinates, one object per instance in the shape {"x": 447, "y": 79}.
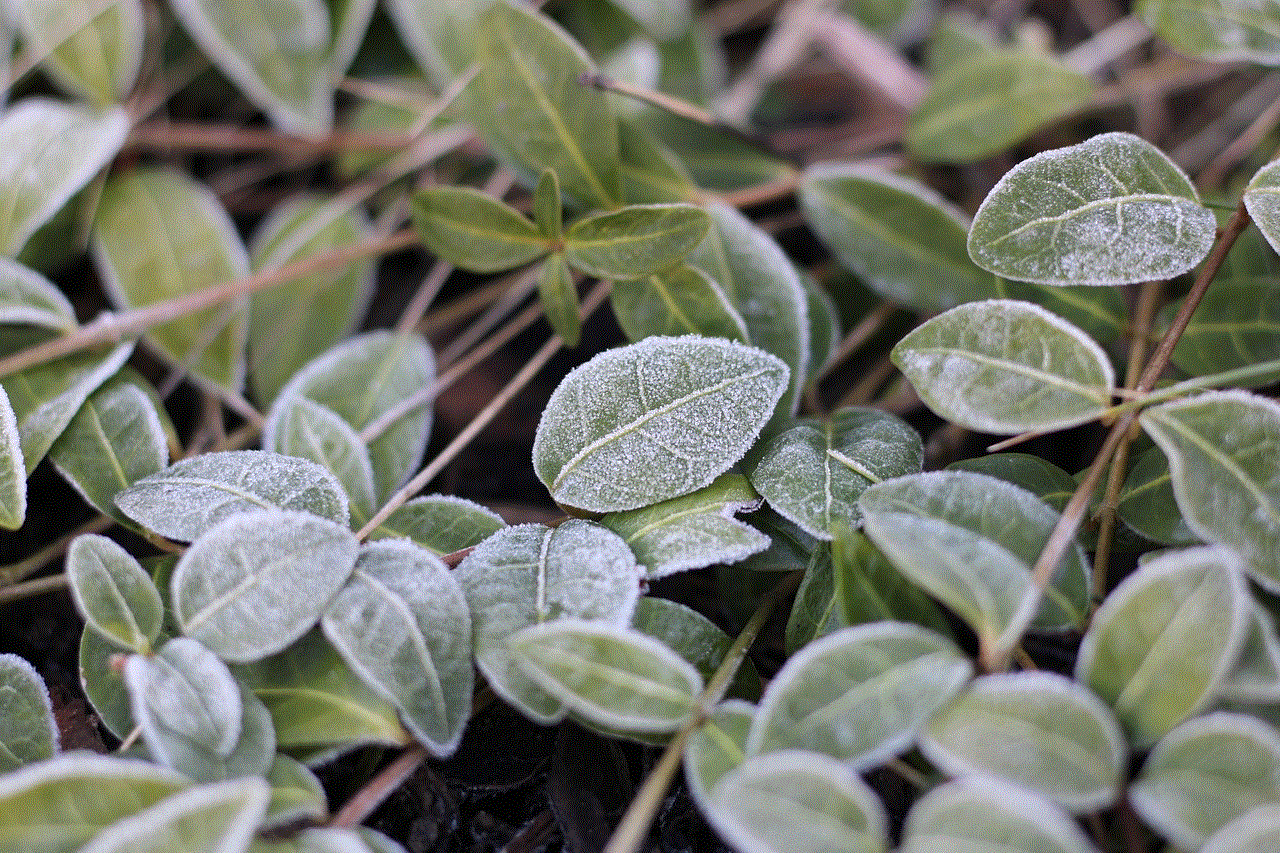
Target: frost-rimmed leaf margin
{"x": 28, "y": 730}
{"x": 222, "y": 815}
{"x": 115, "y": 597}
{"x": 13, "y": 468}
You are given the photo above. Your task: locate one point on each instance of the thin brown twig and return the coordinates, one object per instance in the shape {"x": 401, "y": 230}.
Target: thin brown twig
{"x": 372, "y": 795}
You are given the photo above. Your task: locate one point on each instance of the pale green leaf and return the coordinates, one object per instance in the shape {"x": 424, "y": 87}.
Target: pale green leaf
{"x": 296, "y": 794}
{"x": 903, "y": 240}
{"x": 1217, "y": 30}
{"x": 1224, "y": 459}
{"x": 92, "y": 49}
{"x": 304, "y": 429}
{"x": 651, "y": 172}
{"x": 716, "y": 747}
{"x": 1262, "y": 196}
{"x": 28, "y": 297}
{"x": 1006, "y": 367}
{"x": 160, "y": 235}
{"x": 1256, "y": 831}
{"x": 547, "y": 214}
{"x": 634, "y": 241}
{"x": 559, "y": 297}
{"x": 114, "y": 595}
{"x": 680, "y": 301}
{"x": 790, "y": 548}
{"x": 184, "y": 691}
{"x": 28, "y": 731}
{"x": 696, "y": 639}
{"x": 103, "y": 684}
{"x": 350, "y": 20}
{"x": 257, "y": 581}
{"x": 442, "y": 524}
{"x": 193, "y": 495}
{"x": 216, "y": 818}
{"x": 824, "y": 325}
{"x": 476, "y": 231}
{"x": 13, "y": 471}
{"x": 665, "y": 20}
{"x": 654, "y": 420}
{"x": 896, "y": 20}
{"x": 1043, "y": 479}
{"x": 1256, "y": 674}
{"x": 51, "y": 151}
{"x": 715, "y": 160}
{"x": 319, "y": 839}
{"x": 1111, "y": 210}
{"x": 441, "y": 34}
{"x": 1165, "y": 638}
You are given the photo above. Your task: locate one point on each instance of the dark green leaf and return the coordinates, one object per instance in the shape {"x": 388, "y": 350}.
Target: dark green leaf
{"x": 680, "y": 301}
{"x": 634, "y": 241}
{"x": 559, "y": 297}
{"x": 475, "y": 231}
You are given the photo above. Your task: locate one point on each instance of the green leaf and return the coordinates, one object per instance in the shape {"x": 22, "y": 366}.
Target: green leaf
{"x": 216, "y": 818}
{"x": 193, "y": 495}
{"x": 1100, "y": 311}
{"x": 1037, "y": 729}
{"x": 476, "y": 231}
{"x": 654, "y": 420}
{"x": 257, "y": 581}
{"x": 901, "y": 238}
{"x": 1262, "y": 196}
{"x": 716, "y": 747}
{"x": 442, "y": 524}
{"x": 790, "y": 548}
{"x": 1257, "y": 831}
{"x": 529, "y": 574}
{"x": 651, "y": 172}
{"x": 317, "y": 839}
{"x": 663, "y": 20}
{"x": 859, "y": 694}
{"x": 1147, "y": 503}
{"x": 296, "y": 794}
{"x": 28, "y": 297}
{"x": 1043, "y": 479}
{"x": 114, "y": 595}
{"x": 1111, "y": 210}
{"x": 1236, "y": 324}
{"x": 103, "y": 684}
{"x": 28, "y": 731}
{"x": 1217, "y": 30}
{"x": 53, "y": 149}
{"x": 1222, "y": 449}
{"x": 1206, "y": 773}
{"x": 796, "y": 802}
{"x": 318, "y": 706}
{"x": 91, "y": 49}
{"x": 990, "y": 101}
{"x": 680, "y": 301}
{"x": 441, "y": 35}
{"x": 559, "y": 297}
{"x": 1006, "y": 367}
{"x": 970, "y": 541}
{"x": 635, "y": 241}
{"x": 529, "y": 104}
{"x": 276, "y": 52}
{"x": 402, "y": 624}
{"x": 114, "y": 440}
{"x": 304, "y": 429}
{"x": 56, "y": 806}
{"x": 292, "y": 324}
{"x": 1165, "y": 638}
{"x": 693, "y": 531}
{"x": 982, "y": 813}
{"x": 1256, "y": 675}
{"x": 696, "y": 639}
{"x": 824, "y": 325}
{"x": 159, "y": 235}
{"x": 716, "y": 160}
{"x": 612, "y": 676}
{"x": 13, "y": 471}
{"x": 814, "y": 472}
{"x": 547, "y": 214}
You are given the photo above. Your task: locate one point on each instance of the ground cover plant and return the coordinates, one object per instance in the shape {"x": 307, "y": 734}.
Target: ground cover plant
{"x": 627, "y": 425}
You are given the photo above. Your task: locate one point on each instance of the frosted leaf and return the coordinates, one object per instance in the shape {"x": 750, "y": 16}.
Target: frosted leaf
{"x": 1255, "y": 678}
{"x": 191, "y": 496}
{"x": 306, "y": 429}
{"x": 220, "y": 817}
{"x": 114, "y": 595}
{"x": 92, "y": 50}
{"x": 716, "y": 747}
{"x": 530, "y": 574}
{"x": 184, "y": 691}
{"x": 1256, "y": 831}
{"x": 13, "y": 471}
{"x": 654, "y": 420}
{"x": 28, "y": 730}
{"x": 442, "y": 524}
{"x": 1262, "y": 200}
{"x": 28, "y": 297}
{"x": 1111, "y": 210}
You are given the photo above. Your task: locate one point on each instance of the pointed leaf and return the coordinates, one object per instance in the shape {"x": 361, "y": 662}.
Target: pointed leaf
{"x": 1256, "y": 831}
{"x": 1217, "y": 30}
{"x": 715, "y": 748}
{"x": 442, "y": 524}
{"x": 547, "y": 214}
{"x": 1111, "y": 210}
{"x": 28, "y": 297}
{"x": 860, "y": 694}
{"x": 903, "y": 240}
{"x": 824, "y": 325}
{"x": 634, "y": 241}
{"x": 304, "y": 429}
{"x": 1147, "y": 503}
{"x": 13, "y": 470}
{"x": 191, "y": 496}
{"x": 693, "y": 531}
{"x": 1006, "y": 367}
{"x": 28, "y": 731}
{"x": 476, "y": 231}
{"x": 1165, "y": 638}
{"x": 160, "y": 235}
{"x": 91, "y": 49}
{"x": 217, "y": 818}
{"x": 51, "y": 151}
{"x": 654, "y": 420}
{"x": 529, "y": 574}
{"x": 296, "y": 794}
{"x": 1222, "y": 449}
{"x": 113, "y": 593}
{"x": 814, "y": 472}
{"x": 257, "y": 581}
{"x": 680, "y": 301}
{"x": 559, "y": 297}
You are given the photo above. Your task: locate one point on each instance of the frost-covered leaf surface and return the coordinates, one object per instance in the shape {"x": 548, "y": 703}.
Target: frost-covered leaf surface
{"x": 103, "y": 683}
{"x": 679, "y": 301}
{"x": 653, "y": 421}
{"x": 475, "y": 231}
{"x": 1217, "y": 30}
{"x": 442, "y": 524}
{"x": 28, "y": 297}
{"x": 1005, "y": 366}
{"x": 191, "y": 496}
{"x": 305, "y": 429}
{"x": 28, "y": 731}
{"x": 92, "y": 49}
{"x": 1112, "y": 210}
{"x": 1256, "y": 674}
{"x": 1165, "y": 638}
{"x": 114, "y": 595}
{"x": 257, "y": 581}
{"x": 215, "y": 818}
{"x": 1262, "y": 196}
{"x": 635, "y": 241}
{"x": 441, "y": 36}
{"x": 1257, "y": 831}
{"x": 13, "y": 471}
{"x": 1042, "y": 478}
{"x": 296, "y": 794}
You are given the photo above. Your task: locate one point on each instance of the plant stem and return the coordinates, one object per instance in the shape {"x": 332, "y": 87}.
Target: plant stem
{"x": 39, "y": 586}
{"x": 380, "y": 787}
{"x": 15, "y": 572}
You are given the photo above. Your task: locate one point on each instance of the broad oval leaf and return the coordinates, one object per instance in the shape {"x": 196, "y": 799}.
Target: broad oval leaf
{"x": 1147, "y": 503}
{"x": 103, "y": 683}
{"x": 983, "y": 813}
{"x": 985, "y": 104}
{"x": 28, "y": 297}
{"x": 1206, "y": 773}
{"x": 1257, "y": 831}
{"x": 193, "y": 495}
{"x": 296, "y": 794}
{"x": 402, "y": 624}
{"x": 1164, "y": 639}
{"x": 529, "y": 574}
{"x": 1043, "y": 479}
{"x": 1037, "y": 729}
{"x": 113, "y": 593}
{"x": 635, "y": 241}
{"x": 257, "y": 581}
{"x": 28, "y": 731}
{"x": 653, "y": 421}
{"x": 612, "y": 676}
{"x": 1111, "y": 210}
{"x": 218, "y": 818}
{"x": 1217, "y": 30}
{"x": 696, "y": 639}
{"x": 859, "y": 694}
{"x": 56, "y": 806}
{"x": 443, "y": 524}
{"x": 1262, "y": 196}
{"x": 1005, "y": 366}
{"x": 475, "y": 231}
{"x": 692, "y": 531}
{"x": 797, "y": 802}
{"x": 159, "y": 235}
{"x": 51, "y": 151}
{"x": 13, "y": 470}
{"x": 903, "y": 240}
{"x": 184, "y": 691}
{"x": 91, "y": 49}
{"x": 1224, "y": 459}
{"x": 305, "y": 429}
{"x": 679, "y": 301}
{"x": 814, "y": 472}
{"x": 716, "y": 747}
{"x": 1236, "y": 324}
{"x": 276, "y": 52}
